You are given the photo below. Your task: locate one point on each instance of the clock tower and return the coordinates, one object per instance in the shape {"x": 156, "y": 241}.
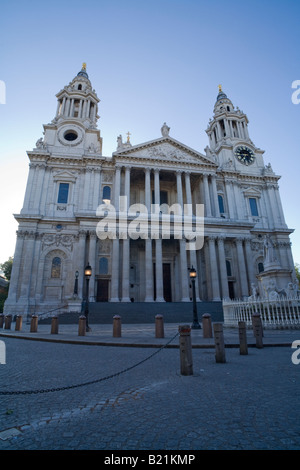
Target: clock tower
{"x": 229, "y": 138}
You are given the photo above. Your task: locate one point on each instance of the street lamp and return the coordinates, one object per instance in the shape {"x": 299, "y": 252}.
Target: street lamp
{"x": 193, "y": 275}
{"x": 87, "y": 274}
{"x": 76, "y": 284}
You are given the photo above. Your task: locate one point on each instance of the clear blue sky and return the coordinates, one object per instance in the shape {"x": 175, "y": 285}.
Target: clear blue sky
{"x": 151, "y": 62}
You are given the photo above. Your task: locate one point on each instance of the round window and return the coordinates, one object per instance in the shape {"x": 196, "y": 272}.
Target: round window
{"x": 70, "y": 136}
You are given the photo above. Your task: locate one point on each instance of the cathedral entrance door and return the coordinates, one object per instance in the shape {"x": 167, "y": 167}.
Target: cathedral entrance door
{"x": 231, "y": 289}
{"x": 102, "y": 290}
{"x": 167, "y": 282}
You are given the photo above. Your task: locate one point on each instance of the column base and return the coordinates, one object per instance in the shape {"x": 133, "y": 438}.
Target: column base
{"x": 185, "y": 299}
{"x": 125, "y": 299}
{"x": 160, "y": 299}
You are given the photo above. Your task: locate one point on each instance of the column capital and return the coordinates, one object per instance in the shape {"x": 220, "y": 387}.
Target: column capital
{"x": 82, "y": 234}
{"x": 221, "y": 238}
{"x": 92, "y": 234}
{"x": 239, "y": 240}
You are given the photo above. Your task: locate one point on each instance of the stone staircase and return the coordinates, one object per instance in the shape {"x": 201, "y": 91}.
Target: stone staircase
{"x": 143, "y": 312}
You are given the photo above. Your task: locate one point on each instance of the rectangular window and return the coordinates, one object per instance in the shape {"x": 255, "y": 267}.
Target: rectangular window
{"x": 221, "y": 204}
{"x": 253, "y": 206}
{"x": 63, "y": 193}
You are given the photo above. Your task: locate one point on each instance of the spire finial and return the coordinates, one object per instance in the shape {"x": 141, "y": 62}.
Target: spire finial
{"x": 220, "y": 88}
{"x": 128, "y": 137}
{"x": 84, "y": 66}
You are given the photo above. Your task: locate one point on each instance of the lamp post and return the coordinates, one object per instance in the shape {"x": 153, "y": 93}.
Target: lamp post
{"x": 193, "y": 275}
{"x": 76, "y": 284}
{"x": 87, "y": 273}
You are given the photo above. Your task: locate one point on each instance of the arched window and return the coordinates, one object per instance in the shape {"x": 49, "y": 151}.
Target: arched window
{"x": 56, "y": 267}
{"x": 260, "y": 267}
{"x": 80, "y": 87}
{"x": 103, "y": 266}
{"x": 106, "y": 194}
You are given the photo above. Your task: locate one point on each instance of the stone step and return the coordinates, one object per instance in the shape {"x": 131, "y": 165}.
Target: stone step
{"x": 144, "y": 312}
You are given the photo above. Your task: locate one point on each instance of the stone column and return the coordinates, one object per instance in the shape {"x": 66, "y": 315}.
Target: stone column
{"x": 87, "y": 187}
{"x": 27, "y": 265}
{"x": 184, "y": 272}
{"x": 80, "y": 109}
{"x": 179, "y": 188}
{"x": 193, "y": 262}
{"x": 147, "y": 190}
{"x": 159, "y": 271}
{"x": 229, "y": 199}
{"x": 223, "y": 270}
{"x": 279, "y": 205}
{"x": 242, "y": 267}
{"x": 206, "y": 196}
{"x": 249, "y": 258}
{"x": 117, "y": 184}
{"x": 156, "y": 187}
{"x": 97, "y": 188}
{"x": 126, "y": 243}
{"x": 125, "y": 270}
{"x": 81, "y": 261}
{"x": 127, "y": 185}
{"x": 188, "y": 192}
{"x": 72, "y": 107}
{"x": 215, "y": 196}
{"x": 32, "y": 169}
{"x": 62, "y": 111}
{"x": 115, "y": 271}
{"x": 148, "y": 270}
{"x": 15, "y": 273}
{"x": 213, "y": 268}
{"x": 92, "y": 261}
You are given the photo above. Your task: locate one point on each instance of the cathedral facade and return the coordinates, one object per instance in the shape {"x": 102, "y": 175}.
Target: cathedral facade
{"x": 72, "y": 187}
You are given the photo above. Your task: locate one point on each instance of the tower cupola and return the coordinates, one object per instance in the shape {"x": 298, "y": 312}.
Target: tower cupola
{"x": 228, "y": 125}
{"x": 78, "y": 101}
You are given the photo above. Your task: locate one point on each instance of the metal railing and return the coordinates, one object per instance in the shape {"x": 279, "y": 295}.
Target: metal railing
{"x": 283, "y": 312}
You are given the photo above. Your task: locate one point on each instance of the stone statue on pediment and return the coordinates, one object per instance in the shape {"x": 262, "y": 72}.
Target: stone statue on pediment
{"x": 165, "y": 130}
{"x": 120, "y": 142}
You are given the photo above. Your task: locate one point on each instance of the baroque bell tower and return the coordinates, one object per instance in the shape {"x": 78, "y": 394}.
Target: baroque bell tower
{"x": 74, "y": 128}
{"x": 229, "y": 137}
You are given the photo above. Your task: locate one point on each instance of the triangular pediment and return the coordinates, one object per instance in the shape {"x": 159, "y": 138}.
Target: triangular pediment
{"x": 165, "y": 149}
{"x": 64, "y": 175}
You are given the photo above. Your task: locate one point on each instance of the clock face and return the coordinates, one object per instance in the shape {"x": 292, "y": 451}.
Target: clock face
{"x": 244, "y": 155}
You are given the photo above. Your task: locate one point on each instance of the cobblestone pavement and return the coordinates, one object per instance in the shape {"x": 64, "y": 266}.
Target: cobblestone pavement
{"x": 250, "y": 402}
